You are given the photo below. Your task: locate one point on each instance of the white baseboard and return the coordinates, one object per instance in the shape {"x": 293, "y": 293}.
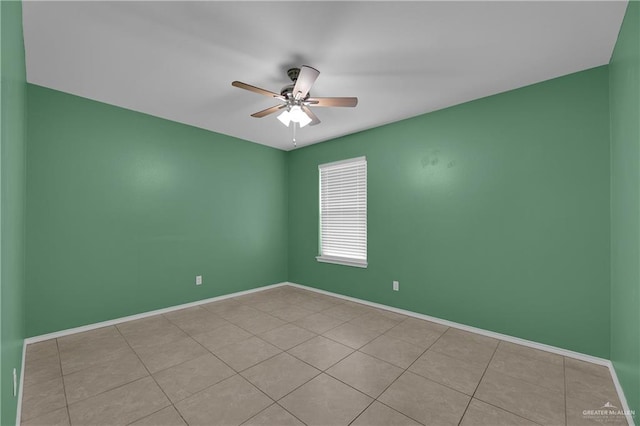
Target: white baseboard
{"x": 535, "y": 345}
{"x": 623, "y": 398}
{"x": 115, "y": 321}
{"x": 493, "y": 334}
{"x": 500, "y": 336}
{"x": 21, "y": 385}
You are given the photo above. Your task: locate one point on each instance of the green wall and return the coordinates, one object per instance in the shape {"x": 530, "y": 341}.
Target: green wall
{"x": 494, "y": 213}
{"x": 125, "y": 209}
{"x": 12, "y": 204}
{"x": 624, "y": 86}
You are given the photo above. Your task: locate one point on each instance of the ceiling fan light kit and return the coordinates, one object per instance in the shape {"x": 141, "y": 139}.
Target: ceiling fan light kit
{"x": 294, "y": 114}
{"x": 295, "y": 98}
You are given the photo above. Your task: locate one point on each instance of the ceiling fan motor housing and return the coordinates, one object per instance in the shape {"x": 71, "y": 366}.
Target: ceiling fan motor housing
{"x": 287, "y": 90}
{"x": 293, "y": 73}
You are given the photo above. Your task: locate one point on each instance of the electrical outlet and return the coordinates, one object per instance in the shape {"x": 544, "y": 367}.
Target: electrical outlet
{"x": 15, "y": 382}
{"x": 396, "y": 286}
{"x": 198, "y": 279}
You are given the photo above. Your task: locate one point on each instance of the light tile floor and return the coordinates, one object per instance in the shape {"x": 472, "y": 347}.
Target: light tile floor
{"x": 287, "y": 356}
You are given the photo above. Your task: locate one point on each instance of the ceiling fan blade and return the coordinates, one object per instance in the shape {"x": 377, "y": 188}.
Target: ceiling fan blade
{"x": 314, "y": 118}
{"x": 305, "y": 80}
{"x": 333, "y": 102}
{"x": 258, "y": 90}
{"x": 267, "y": 111}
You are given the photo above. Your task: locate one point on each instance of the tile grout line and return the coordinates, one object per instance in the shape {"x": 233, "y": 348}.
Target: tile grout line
{"x": 241, "y": 327}
{"x": 502, "y": 409}
{"x": 564, "y": 376}
{"x": 441, "y": 384}
{"x": 275, "y": 401}
{"x": 64, "y": 389}
{"x": 358, "y": 350}
{"x": 485, "y": 369}
{"x": 173, "y": 404}
{"x": 296, "y": 417}
{"x": 479, "y": 381}
{"x": 488, "y": 403}
{"x": 266, "y": 408}
{"x": 150, "y": 375}
{"x": 285, "y": 395}
{"x": 153, "y": 378}
{"x": 349, "y": 321}
{"x": 212, "y": 353}
{"x": 151, "y": 414}
{"x": 64, "y": 393}
{"x": 291, "y": 322}
{"x": 238, "y": 373}
{"x": 493, "y": 405}
{"x": 332, "y": 328}
{"x": 299, "y": 386}
{"x": 101, "y": 392}
{"x": 320, "y": 371}
{"x": 205, "y": 388}
{"x": 62, "y": 337}
{"x": 391, "y": 363}
{"x": 335, "y": 378}
{"x": 529, "y": 358}
{"x": 400, "y": 375}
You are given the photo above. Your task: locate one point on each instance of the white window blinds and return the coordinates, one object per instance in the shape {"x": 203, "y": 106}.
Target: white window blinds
{"x": 343, "y": 212}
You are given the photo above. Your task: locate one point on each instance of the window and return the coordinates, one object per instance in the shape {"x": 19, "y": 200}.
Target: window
{"x": 343, "y": 212}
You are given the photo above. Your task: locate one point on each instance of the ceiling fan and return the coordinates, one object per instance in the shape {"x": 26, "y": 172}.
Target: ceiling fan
{"x": 295, "y": 98}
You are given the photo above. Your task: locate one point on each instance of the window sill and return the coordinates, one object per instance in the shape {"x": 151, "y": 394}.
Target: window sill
{"x": 343, "y": 261}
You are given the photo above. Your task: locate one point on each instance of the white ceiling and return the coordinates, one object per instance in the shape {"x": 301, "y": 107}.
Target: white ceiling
{"x": 177, "y": 60}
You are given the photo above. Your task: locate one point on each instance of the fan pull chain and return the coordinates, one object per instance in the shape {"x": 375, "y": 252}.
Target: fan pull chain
{"x": 294, "y": 134}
